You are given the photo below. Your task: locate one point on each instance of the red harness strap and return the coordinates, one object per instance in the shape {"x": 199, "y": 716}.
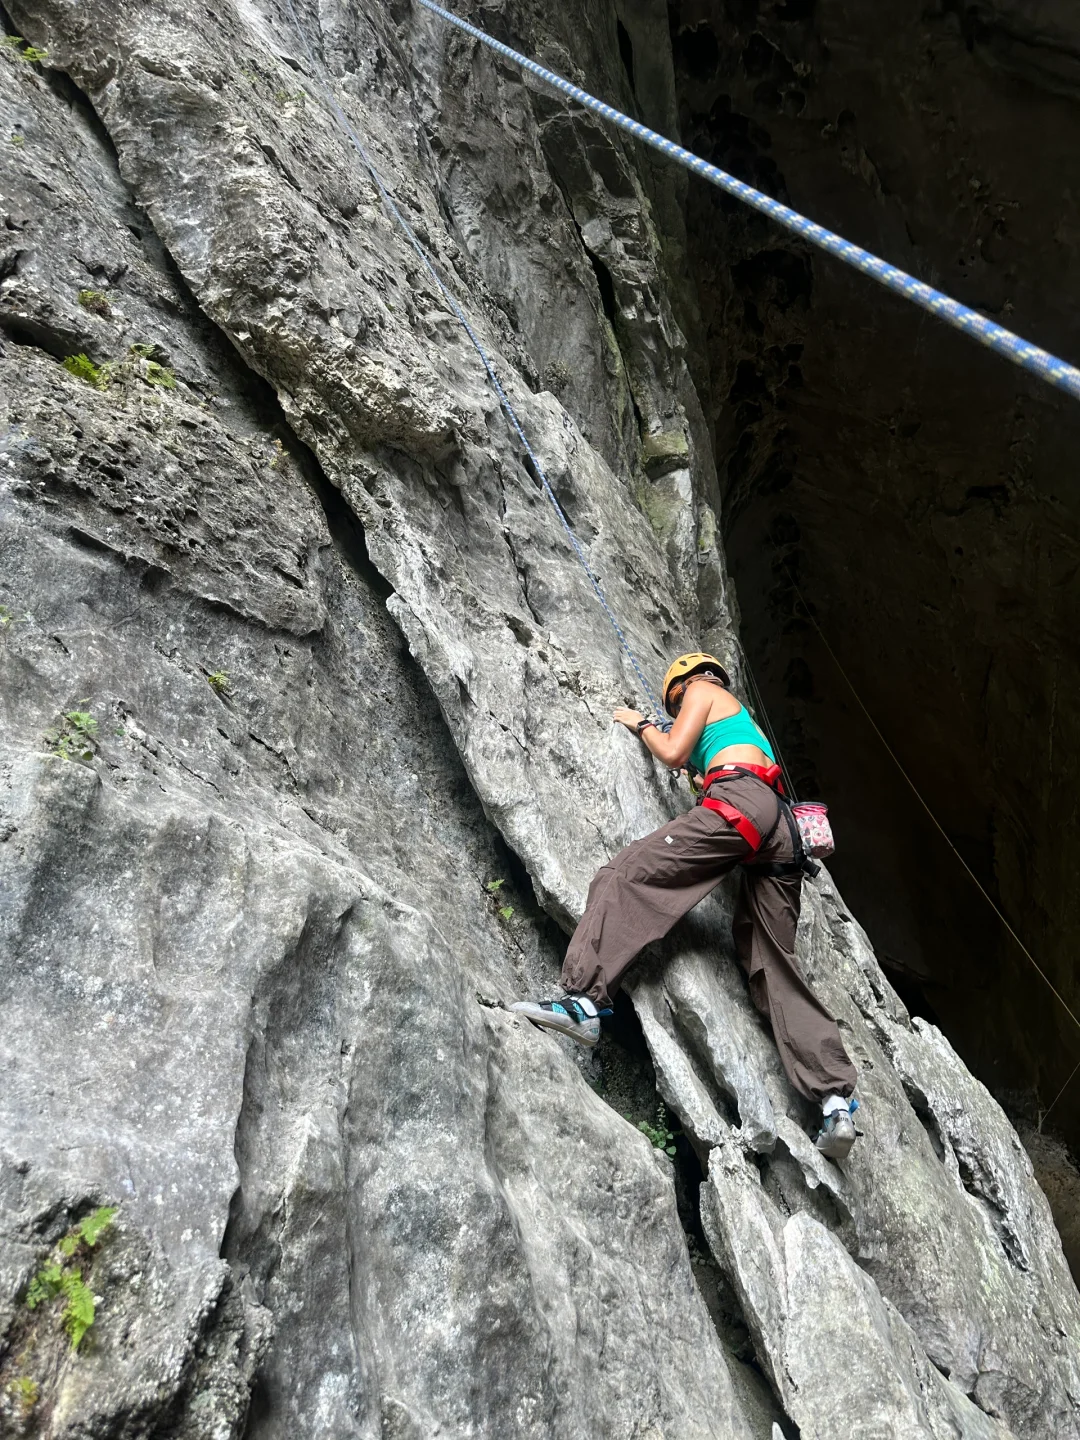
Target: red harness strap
{"x": 771, "y": 774}
{"x": 742, "y": 823}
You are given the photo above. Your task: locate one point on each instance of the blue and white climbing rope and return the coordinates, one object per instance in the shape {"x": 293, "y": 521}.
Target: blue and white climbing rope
{"x": 504, "y": 399}
{"x": 970, "y": 322}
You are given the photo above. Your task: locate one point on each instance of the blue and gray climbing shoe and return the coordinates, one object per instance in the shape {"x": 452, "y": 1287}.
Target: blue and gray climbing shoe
{"x": 573, "y": 1015}
{"x": 837, "y": 1134}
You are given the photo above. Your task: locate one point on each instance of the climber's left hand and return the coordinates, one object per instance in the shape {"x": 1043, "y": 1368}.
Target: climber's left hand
{"x": 629, "y": 718}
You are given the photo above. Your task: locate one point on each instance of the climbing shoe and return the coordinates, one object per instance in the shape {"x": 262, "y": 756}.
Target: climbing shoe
{"x": 573, "y": 1015}
{"x": 837, "y": 1134}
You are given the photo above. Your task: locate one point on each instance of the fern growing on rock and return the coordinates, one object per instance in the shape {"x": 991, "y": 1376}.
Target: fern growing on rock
{"x": 83, "y": 368}
{"x": 62, "y": 1278}
{"x": 74, "y": 737}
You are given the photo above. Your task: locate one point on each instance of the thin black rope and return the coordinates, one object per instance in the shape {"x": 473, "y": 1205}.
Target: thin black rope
{"x": 760, "y": 708}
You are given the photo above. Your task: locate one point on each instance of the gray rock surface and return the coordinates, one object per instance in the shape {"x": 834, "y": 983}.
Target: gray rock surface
{"x": 253, "y": 970}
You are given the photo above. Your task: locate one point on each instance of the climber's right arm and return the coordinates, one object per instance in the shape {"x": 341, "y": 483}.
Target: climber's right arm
{"x": 673, "y": 749}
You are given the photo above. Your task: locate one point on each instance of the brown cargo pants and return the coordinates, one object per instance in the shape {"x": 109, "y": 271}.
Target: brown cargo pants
{"x": 640, "y": 894}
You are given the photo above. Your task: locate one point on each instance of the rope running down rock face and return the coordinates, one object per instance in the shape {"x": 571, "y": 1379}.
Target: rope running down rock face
{"x": 504, "y": 399}
{"x": 970, "y": 322}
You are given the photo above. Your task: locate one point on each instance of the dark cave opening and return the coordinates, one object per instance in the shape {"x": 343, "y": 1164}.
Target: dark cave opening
{"x": 907, "y": 488}
{"x": 626, "y": 50}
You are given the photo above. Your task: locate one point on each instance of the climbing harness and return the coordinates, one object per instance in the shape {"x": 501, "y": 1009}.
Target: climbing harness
{"x": 969, "y": 322}
{"x": 769, "y": 775}
{"x": 504, "y": 399}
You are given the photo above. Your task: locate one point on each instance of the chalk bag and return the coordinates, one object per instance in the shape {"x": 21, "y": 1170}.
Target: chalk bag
{"x": 812, "y": 819}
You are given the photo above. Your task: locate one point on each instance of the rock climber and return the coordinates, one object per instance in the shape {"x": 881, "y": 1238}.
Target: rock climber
{"x": 740, "y": 819}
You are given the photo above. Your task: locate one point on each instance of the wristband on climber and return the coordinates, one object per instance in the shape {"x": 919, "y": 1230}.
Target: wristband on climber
{"x": 642, "y": 726}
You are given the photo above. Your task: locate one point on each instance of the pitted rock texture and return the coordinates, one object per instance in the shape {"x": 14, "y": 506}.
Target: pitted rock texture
{"x": 253, "y": 961}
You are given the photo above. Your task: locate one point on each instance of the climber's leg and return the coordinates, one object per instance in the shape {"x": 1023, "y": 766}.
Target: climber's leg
{"x": 640, "y": 894}
{"x": 636, "y": 898}
{"x": 806, "y": 1035}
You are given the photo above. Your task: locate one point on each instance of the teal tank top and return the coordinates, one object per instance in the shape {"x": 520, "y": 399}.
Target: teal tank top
{"x": 737, "y": 729}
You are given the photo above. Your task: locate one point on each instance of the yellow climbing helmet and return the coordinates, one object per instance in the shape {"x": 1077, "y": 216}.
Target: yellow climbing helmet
{"x": 692, "y": 664}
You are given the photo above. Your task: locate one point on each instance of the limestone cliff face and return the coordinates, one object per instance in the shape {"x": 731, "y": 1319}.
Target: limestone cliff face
{"x": 254, "y": 971}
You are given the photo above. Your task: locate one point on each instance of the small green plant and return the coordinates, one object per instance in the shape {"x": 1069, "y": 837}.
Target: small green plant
{"x": 278, "y": 456}
{"x": 218, "y": 681}
{"x": 89, "y": 1230}
{"x": 53, "y": 1280}
{"x": 660, "y": 1134}
{"x": 26, "y": 1393}
{"x": 31, "y": 54}
{"x": 95, "y": 302}
{"x": 9, "y": 618}
{"x": 154, "y": 372}
{"x": 289, "y": 97}
{"x": 63, "y": 1278}
{"x": 83, "y": 368}
{"x": 80, "y": 1308}
{"x": 67, "y": 1281}
{"x": 75, "y": 736}
{"x": 159, "y": 375}
{"x": 18, "y": 140}
{"x": 46, "y": 1285}
{"x": 493, "y": 887}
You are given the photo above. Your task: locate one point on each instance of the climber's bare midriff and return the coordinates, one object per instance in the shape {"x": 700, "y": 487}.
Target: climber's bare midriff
{"x": 739, "y": 755}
